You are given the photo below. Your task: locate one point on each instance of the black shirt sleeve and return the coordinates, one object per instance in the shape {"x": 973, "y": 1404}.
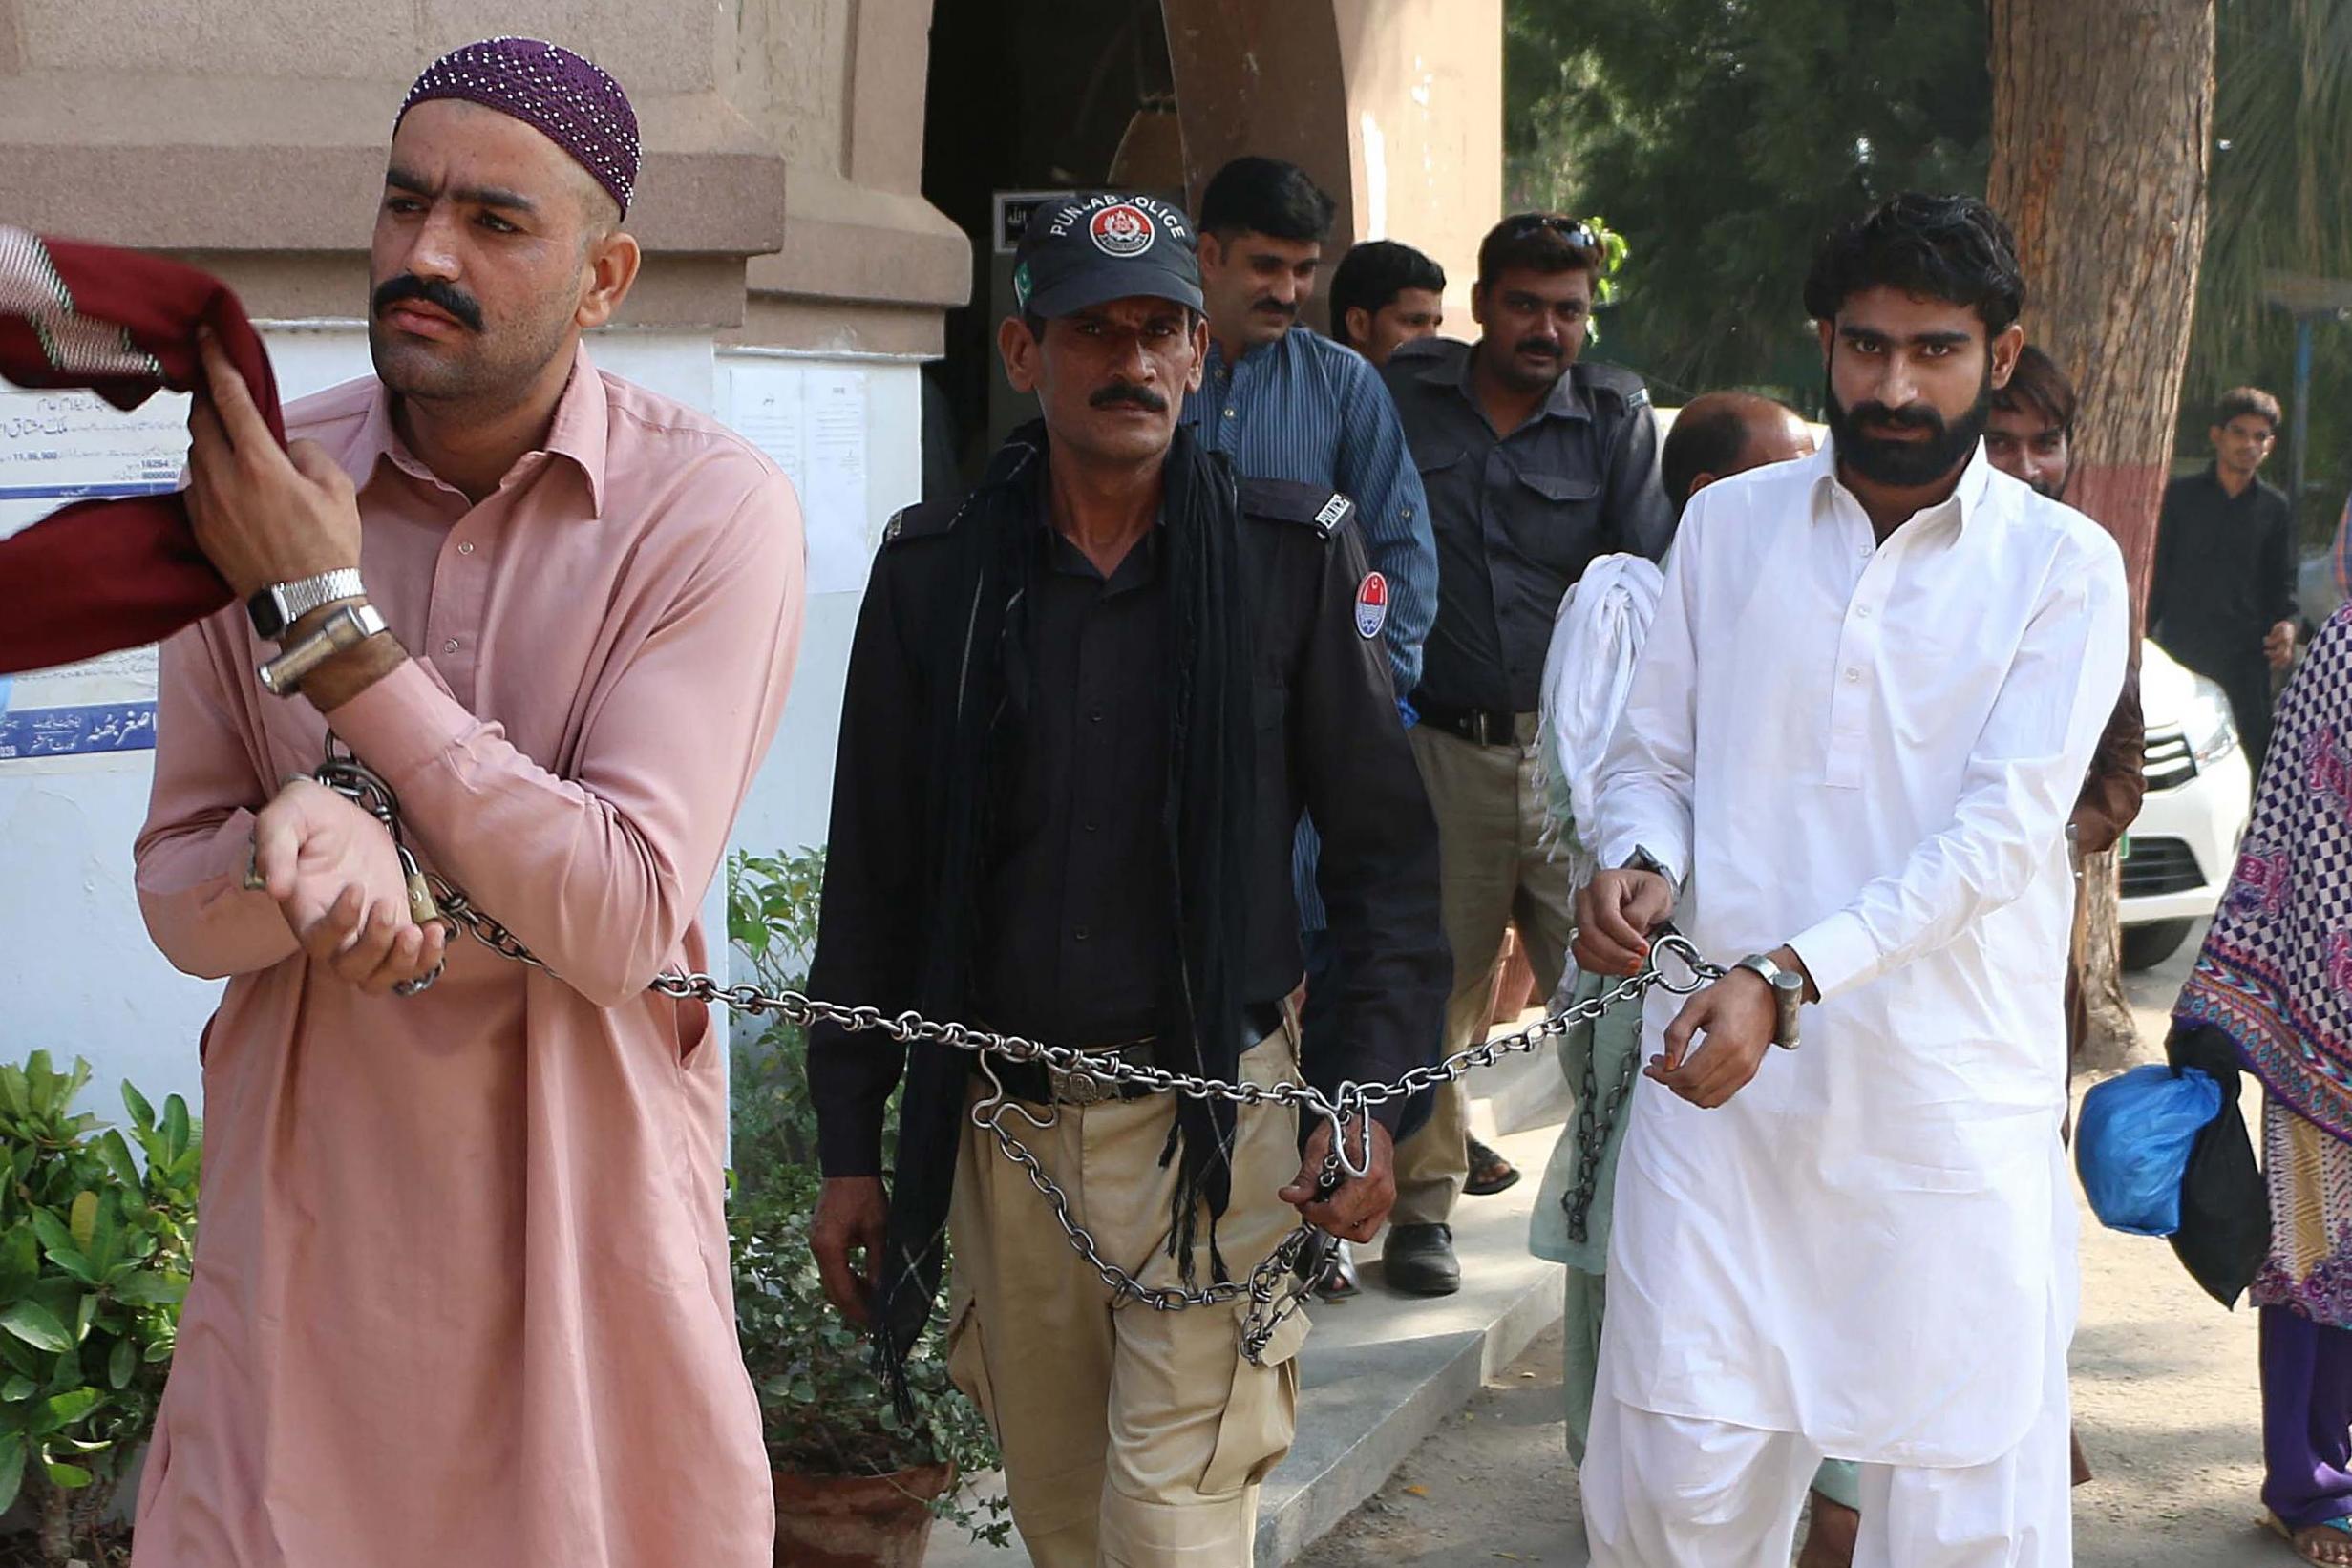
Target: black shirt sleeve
{"x": 866, "y": 942}
{"x": 2160, "y": 575}
{"x": 1638, "y": 513}
{"x": 2279, "y": 570}
{"x": 1378, "y": 868}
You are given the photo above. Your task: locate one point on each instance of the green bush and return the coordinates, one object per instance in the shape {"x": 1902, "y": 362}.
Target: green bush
{"x": 823, "y": 1410}
{"x": 95, "y": 1254}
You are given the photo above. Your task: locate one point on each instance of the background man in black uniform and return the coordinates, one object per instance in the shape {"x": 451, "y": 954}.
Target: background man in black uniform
{"x": 1085, "y": 711}
{"x": 2222, "y": 598}
{"x": 1384, "y": 293}
{"x": 1533, "y": 463}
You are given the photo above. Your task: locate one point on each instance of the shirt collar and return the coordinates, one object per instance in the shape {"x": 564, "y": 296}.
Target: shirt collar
{"x": 1967, "y": 499}
{"x": 1256, "y": 351}
{"x": 577, "y": 433}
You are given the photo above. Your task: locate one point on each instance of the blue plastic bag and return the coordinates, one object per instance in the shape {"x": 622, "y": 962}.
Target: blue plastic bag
{"x": 2131, "y": 1144}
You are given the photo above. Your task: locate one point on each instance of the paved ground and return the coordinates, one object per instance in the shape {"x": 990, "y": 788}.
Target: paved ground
{"x": 2165, "y": 1394}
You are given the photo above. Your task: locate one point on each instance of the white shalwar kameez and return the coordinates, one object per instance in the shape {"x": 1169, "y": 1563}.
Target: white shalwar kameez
{"x": 1867, "y": 752}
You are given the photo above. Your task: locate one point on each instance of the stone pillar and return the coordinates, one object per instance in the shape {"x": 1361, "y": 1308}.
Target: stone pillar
{"x": 867, "y": 264}
{"x": 250, "y": 139}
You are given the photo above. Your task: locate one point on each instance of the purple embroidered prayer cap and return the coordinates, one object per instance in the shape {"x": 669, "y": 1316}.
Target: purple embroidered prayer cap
{"x": 574, "y": 104}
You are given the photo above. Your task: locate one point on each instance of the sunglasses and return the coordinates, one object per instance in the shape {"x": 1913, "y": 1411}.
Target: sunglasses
{"x": 1575, "y": 230}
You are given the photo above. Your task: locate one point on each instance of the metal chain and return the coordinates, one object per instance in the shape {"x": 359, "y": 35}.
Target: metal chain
{"x": 1596, "y": 1121}
{"x": 1271, "y": 1302}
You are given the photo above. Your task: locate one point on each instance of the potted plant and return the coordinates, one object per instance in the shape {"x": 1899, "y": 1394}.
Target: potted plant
{"x": 94, "y": 1253}
{"x": 856, "y": 1483}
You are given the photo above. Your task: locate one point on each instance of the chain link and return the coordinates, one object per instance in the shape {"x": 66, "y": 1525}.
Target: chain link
{"x": 1596, "y": 1121}
{"x": 1271, "y": 1301}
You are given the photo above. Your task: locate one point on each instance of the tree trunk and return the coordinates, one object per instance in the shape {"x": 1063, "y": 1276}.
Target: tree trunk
{"x": 2102, "y": 123}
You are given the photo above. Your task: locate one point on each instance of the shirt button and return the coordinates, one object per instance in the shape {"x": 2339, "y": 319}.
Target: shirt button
{"x": 1079, "y": 933}
{"x": 1862, "y": 610}
{"x": 1095, "y": 718}
{"x": 448, "y": 645}
{"x": 466, "y": 548}
{"x": 1090, "y": 827}
{"x": 1853, "y": 675}
{"x": 1229, "y": 413}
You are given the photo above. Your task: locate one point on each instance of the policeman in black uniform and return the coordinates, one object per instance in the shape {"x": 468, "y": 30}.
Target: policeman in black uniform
{"x": 1086, "y": 706}
{"x": 1534, "y": 461}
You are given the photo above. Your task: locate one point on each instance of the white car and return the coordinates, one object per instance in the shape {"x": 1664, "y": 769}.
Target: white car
{"x": 2180, "y": 848}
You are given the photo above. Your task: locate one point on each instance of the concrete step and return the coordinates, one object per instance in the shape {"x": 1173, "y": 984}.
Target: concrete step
{"x": 1381, "y": 1372}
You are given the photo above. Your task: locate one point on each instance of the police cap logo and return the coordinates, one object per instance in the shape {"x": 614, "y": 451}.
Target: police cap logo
{"x": 1122, "y": 230}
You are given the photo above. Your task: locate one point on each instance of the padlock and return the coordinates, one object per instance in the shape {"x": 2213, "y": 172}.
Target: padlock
{"x": 421, "y": 907}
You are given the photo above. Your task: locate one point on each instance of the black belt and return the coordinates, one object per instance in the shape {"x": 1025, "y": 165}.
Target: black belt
{"x": 1038, "y": 1084}
{"x": 1479, "y": 726}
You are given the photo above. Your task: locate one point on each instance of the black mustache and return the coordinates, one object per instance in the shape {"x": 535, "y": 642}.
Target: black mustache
{"x": 1910, "y": 416}
{"x": 1540, "y": 346}
{"x": 434, "y": 291}
{"x": 1126, "y": 391}
{"x": 1289, "y": 312}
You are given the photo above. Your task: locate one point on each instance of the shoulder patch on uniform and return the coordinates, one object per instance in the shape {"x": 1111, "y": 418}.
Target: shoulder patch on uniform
{"x": 1623, "y": 384}
{"x": 1371, "y": 605}
{"x": 1318, "y": 507}
{"x": 921, "y": 520}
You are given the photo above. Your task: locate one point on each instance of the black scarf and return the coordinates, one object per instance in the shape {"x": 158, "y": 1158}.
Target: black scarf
{"x": 977, "y": 667}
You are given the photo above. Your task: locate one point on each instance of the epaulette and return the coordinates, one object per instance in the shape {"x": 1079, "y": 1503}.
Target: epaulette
{"x": 925, "y": 519}
{"x": 1317, "y": 506}
{"x": 1623, "y": 384}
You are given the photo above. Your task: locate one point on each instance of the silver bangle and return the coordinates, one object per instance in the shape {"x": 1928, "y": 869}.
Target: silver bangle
{"x": 1787, "y": 995}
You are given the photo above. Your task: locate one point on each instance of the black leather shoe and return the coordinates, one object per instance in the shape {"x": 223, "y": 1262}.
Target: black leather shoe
{"x": 1418, "y": 1259}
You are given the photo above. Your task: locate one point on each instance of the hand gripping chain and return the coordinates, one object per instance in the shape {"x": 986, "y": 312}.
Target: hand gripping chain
{"x": 1272, "y": 1299}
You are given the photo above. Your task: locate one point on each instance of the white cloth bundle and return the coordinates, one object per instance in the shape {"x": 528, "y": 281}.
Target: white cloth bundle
{"x": 1596, "y": 640}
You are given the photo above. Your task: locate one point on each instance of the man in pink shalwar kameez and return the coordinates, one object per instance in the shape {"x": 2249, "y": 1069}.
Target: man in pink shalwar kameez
{"x": 462, "y": 1293}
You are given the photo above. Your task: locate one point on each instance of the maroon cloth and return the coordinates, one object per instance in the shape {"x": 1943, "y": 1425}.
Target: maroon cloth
{"x": 102, "y": 575}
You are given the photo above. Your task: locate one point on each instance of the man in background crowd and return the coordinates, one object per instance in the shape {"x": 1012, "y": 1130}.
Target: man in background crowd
{"x": 1285, "y": 402}
{"x": 2222, "y": 599}
{"x": 1384, "y": 293}
{"x": 1717, "y": 434}
{"x": 1534, "y": 463}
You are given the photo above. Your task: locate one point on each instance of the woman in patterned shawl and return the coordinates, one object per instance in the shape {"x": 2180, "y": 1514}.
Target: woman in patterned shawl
{"x": 2275, "y": 977}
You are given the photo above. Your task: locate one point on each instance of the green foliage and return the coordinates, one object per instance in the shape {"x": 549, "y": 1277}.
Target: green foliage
{"x": 1726, "y": 138}
{"x": 822, "y": 1409}
{"x": 2282, "y": 114}
{"x": 96, "y": 1247}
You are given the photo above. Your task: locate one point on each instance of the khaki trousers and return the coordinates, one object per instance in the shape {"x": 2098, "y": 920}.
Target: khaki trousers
{"x": 1131, "y": 1438}
{"x": 1492, "y": 871}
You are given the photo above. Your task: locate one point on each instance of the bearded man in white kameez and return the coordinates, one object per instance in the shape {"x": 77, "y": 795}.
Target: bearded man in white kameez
{"x": 1866, "y": 706}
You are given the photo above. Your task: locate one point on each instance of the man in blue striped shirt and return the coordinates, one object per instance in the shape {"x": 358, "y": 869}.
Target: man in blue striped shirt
{"x": 1284, "y": 402}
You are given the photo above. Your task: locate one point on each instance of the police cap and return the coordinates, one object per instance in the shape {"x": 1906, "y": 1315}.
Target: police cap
{"x": 1084, "y": 250}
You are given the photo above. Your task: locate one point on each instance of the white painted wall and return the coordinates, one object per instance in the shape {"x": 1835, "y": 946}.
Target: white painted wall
{"x": 78, "y": 974}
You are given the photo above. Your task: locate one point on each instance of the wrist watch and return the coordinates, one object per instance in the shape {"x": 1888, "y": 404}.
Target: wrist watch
{"x": 1787, "y": 995}
{"x": 1642, "y": 859}
{"x": 281, "y": 604}
{"x": 348, "y": 627}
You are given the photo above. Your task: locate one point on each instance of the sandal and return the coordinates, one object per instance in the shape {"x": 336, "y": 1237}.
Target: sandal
{"x": 1489, "y": 1173}
{"x": 2336, "y": 1533}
